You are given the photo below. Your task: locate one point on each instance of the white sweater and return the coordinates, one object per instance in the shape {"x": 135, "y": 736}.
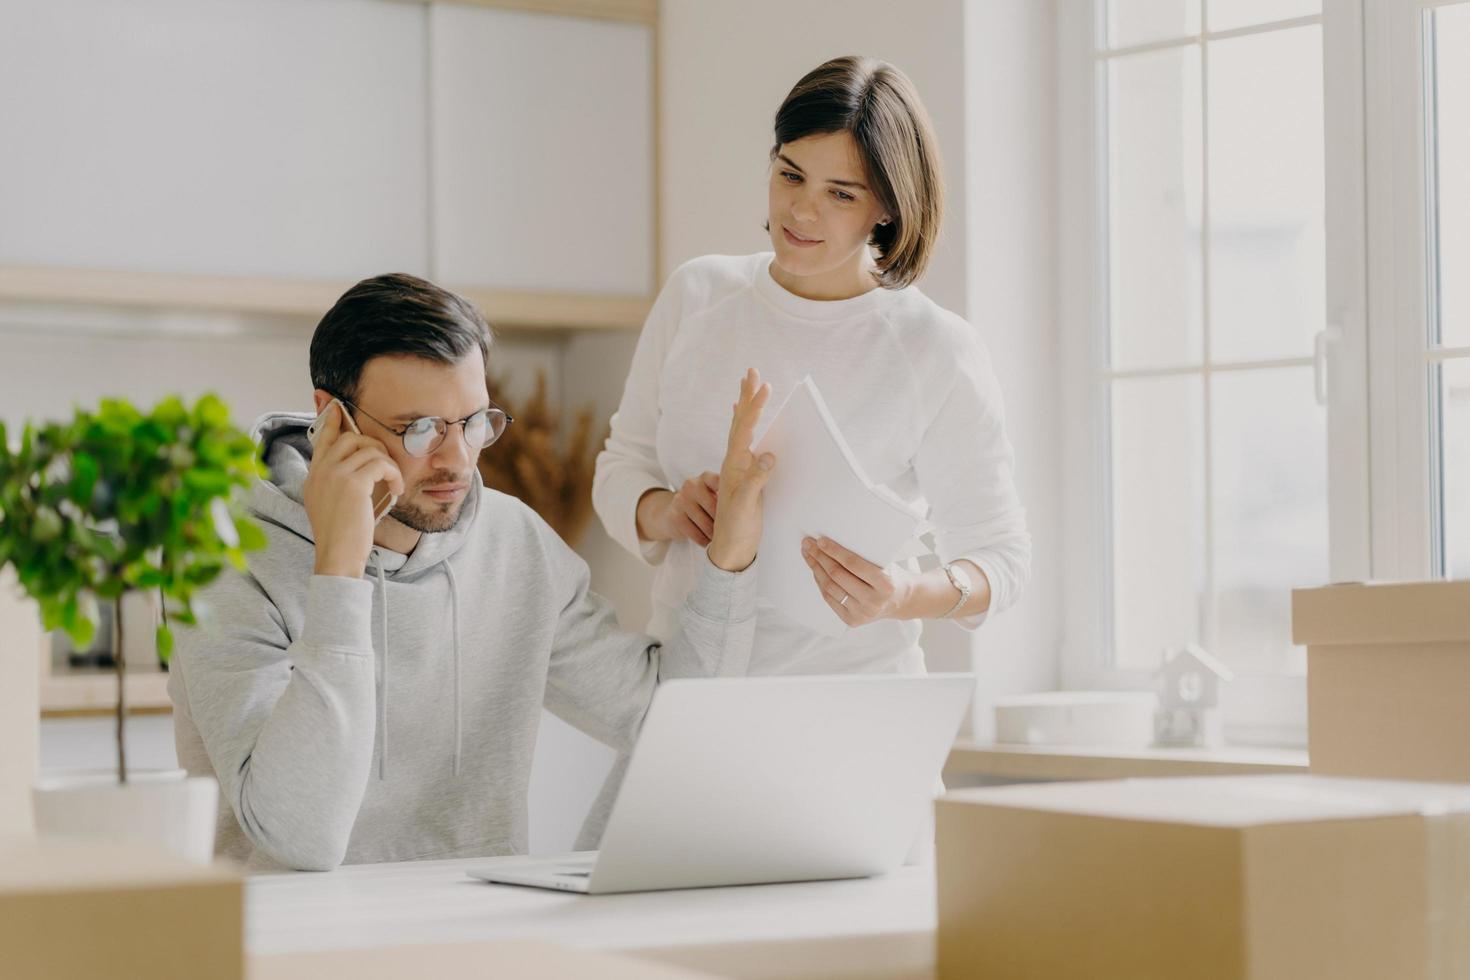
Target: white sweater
{"x": 909, "y": 384}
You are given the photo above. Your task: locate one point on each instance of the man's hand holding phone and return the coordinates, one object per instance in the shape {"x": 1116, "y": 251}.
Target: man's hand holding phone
{"x": 345, "y": 469}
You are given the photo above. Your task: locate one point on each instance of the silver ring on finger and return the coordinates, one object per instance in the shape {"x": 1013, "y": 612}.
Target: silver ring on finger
{"x": 845, "y": 597}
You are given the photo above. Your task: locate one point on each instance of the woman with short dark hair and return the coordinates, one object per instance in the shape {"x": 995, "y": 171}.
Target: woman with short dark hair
{"x": 855, "y": 200}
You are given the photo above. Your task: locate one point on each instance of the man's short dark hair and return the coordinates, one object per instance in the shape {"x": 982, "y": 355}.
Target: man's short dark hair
{"x": 390, "y": 315}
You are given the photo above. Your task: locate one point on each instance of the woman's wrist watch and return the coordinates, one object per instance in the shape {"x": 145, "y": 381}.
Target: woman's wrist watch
{"x": 960, "y": 579}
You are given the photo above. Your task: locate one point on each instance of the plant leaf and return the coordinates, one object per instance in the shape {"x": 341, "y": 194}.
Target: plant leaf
{"x": 82, "y": 632}
{"x": 164, "y": 637}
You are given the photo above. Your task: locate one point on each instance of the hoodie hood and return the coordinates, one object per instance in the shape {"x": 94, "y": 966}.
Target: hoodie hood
{"x": 278, "y": 499}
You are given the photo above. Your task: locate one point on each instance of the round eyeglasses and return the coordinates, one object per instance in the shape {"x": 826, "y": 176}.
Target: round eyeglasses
{"x": 422, "y": 436}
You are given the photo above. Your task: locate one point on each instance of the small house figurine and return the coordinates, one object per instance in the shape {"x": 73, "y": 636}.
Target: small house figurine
{"x": 1188, "y": 687}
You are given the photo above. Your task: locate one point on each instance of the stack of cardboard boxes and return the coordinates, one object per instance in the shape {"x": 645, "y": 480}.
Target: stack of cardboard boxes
{"x": 1332, "y": 875}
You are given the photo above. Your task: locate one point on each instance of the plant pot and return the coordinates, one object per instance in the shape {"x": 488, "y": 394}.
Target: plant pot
{"x": 164, "y": 808}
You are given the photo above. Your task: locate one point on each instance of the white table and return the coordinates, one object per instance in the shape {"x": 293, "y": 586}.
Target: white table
{"x": 864, "y": 928}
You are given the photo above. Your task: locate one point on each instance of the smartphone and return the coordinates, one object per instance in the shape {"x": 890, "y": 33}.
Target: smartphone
{"x": 383, "y": 498}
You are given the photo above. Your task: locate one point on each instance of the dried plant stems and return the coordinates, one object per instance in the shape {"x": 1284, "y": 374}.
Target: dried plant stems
{"x": 535, "y": 461}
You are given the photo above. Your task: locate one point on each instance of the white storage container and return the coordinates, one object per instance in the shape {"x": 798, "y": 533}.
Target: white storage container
{"x": 1076, "y": 718}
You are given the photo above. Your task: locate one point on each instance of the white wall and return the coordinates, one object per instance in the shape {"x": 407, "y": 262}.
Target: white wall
{"x": 984, "y": 70}
{"x": 1011, "y": 223}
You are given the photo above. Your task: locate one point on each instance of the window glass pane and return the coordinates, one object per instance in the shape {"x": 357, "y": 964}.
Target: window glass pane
{"x": 1141, "y": 21}
{"x": 1227, "y": 15}
{"x": 1455, "y": 453}
{"x": 1154, "y": 205}
{"x": 1267, "y": 193}
{"x": 1158, "y": 517}
{"x": 1269, "y": 471}
{"x": 1452, "y": 139}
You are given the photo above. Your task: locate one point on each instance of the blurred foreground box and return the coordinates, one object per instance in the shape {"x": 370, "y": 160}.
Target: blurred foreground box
{"x": 1221, "y": 878}
{"x": 518, "y": 959}
{"x": 78, "y": 910}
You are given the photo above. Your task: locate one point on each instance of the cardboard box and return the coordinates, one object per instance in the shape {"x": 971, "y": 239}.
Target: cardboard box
{"x": 520, "y": 959}
{"x": 80, "y": 910}
{"x": 1219, "y": 878}
{"x": 1388, "y": 679}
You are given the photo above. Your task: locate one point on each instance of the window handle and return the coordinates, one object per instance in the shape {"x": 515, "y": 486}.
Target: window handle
{"x": 1331, "y": 335}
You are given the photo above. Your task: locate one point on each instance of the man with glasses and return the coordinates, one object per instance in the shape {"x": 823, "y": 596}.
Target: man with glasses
{"x": 371, "y": 689}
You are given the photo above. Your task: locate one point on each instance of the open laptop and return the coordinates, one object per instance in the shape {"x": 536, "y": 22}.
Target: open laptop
{"x": 738, "y": 781}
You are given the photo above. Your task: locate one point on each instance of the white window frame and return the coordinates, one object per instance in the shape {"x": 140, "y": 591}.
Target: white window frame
{"x": 1261, "y": 708}
{"x": 1404, "y": 522}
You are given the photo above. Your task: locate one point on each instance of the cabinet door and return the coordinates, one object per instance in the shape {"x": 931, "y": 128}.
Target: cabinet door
{"x": 543, "y": 151}
{"x": 281, "y": 138}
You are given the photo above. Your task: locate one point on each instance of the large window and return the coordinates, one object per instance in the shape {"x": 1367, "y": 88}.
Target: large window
{"x": 1213, "y": 128}
{"x": 1271, "y": 224}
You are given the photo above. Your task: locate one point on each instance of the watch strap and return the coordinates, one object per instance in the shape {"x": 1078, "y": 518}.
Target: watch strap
{"x": 960, "y": 581}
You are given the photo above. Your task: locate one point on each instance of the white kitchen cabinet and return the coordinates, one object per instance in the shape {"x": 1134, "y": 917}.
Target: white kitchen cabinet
{"x": 543, "y": 151}
{"x": 258, "y": 156}
{"x": 238, "y": 138}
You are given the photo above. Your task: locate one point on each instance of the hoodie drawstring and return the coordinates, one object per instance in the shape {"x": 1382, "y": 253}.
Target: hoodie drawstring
{"x": 382, "y": 665}
{"x": 454, "y": 609}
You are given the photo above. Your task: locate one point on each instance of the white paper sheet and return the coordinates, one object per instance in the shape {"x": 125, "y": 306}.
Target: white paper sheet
{"x": 819, "y": 489}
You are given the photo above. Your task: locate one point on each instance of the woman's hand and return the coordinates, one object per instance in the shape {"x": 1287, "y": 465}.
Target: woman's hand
{"x": 858, "y": 591}
{"x": 689, "y": 512}
{"x": 737, "y": 526}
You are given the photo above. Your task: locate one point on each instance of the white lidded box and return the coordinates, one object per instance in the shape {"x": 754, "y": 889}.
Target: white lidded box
{"x": 1076, "y": 718}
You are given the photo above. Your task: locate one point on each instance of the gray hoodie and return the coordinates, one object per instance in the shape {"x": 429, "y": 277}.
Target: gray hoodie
{"x": 394, "y": 717}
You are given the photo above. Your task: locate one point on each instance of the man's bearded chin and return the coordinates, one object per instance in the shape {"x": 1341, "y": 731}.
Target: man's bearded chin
{"x": 433, "y": 518}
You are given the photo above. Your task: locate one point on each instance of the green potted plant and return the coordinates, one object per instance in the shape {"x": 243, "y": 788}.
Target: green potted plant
{"x": 118, "y": 500}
